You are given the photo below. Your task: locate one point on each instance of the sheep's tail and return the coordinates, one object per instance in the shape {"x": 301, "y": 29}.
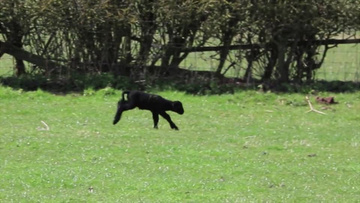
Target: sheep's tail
{"x": 123, "y": 94}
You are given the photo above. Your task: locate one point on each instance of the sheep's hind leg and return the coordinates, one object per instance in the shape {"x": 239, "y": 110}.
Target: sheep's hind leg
{"x": 123, "y": 106}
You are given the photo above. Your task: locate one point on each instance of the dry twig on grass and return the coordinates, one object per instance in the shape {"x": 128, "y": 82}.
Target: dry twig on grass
{"x": 47, "y": 128}
{"x": 311, "y": 107}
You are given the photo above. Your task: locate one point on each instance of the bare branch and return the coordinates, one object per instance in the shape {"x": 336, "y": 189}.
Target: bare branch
{"x": 312, "y": 108}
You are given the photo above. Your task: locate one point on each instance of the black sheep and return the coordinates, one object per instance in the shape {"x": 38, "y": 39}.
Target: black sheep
{"x": 154, "y": 103}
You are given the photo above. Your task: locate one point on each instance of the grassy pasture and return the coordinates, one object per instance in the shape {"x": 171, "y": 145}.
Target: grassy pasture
{"x": 246, "y": 147}
{"x": 342, "y": 63}
{"x": 6, "y": 65}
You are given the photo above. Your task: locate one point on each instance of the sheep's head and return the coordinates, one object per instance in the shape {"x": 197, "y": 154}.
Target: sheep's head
{"x": 177, "y": 107}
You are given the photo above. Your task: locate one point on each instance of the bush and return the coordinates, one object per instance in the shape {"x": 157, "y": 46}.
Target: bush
{"x": 77, "y": 82}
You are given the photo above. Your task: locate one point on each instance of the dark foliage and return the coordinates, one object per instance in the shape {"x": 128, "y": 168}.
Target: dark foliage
{"x": 79, "y": 83}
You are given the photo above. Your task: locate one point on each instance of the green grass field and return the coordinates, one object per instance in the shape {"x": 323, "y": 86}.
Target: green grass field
{"x": 245, "y": 147}
{"x": 6, "y": 64}
{"x": 342, "y": 63}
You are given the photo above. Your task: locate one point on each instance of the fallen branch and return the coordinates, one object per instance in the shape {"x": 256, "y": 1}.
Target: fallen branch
{"x": 311, "y": 107}
{"x": 47, "y": 128}
{"x": 22, "y": 54}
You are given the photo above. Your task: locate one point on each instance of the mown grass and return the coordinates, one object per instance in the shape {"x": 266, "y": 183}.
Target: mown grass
{"x": 249, "y": 146}
{"x": 6, "y": 65}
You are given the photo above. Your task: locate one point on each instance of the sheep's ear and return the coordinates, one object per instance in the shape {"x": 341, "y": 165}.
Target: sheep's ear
{"x": 175, "y": 103}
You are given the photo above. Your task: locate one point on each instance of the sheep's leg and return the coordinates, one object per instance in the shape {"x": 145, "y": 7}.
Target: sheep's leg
{"x": 122, "y": 106}
{"x": 156, "y": 119}
{"x": 167, "y": 117}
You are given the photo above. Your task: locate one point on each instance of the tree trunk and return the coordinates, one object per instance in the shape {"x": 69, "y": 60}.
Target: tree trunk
{"x": 250, "y": 58}
{"x": 15, "y": 38}
{"x": 19, "y": 67}
{"x": 227, "y": 38}
{"x": 148, "y": 28}
{"x": 223, "y": 55}
{"x": 282, "y": 71}
{"x": 271, "y": 63}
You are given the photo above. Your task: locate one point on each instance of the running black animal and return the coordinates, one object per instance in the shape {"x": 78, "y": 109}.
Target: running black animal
{"x": 154, "y": 103}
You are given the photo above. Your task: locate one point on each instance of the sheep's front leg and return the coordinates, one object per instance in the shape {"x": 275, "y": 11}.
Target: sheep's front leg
{"x": 167, "y": 117}
{"x": 156, "y": 119}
